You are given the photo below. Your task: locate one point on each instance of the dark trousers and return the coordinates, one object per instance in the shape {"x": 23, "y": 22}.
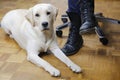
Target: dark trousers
{"x": 74, "y": 6}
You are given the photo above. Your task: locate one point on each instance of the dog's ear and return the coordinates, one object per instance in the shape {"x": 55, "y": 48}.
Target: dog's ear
{"x": 55, "y": 12}
{"x": 29, "y": 16}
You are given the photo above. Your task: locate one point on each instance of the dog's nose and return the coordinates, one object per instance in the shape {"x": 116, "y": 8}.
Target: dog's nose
{"x": 45, "y": 24}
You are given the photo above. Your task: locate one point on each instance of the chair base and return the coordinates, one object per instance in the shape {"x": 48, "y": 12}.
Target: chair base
{"x": 97, "y": 29}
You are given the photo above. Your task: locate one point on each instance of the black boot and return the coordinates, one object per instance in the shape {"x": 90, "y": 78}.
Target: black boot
{"x": 87, "y": 15}
{"x": 75, "y": 41}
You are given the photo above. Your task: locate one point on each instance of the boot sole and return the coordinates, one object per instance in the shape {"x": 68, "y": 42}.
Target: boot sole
{"x": 86, "y": 30}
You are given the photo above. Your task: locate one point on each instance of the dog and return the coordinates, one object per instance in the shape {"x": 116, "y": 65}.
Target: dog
{"x": 33, "y": 30}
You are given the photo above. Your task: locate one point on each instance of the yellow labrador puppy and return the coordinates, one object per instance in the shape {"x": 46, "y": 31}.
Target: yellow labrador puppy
{"x": 33, "y": 30}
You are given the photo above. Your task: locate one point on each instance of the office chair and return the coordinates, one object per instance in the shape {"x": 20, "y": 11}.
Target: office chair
{"x": 97, "y": 29}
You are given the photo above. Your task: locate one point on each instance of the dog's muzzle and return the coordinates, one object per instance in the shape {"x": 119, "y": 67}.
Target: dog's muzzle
{"x": 45, "y": 26}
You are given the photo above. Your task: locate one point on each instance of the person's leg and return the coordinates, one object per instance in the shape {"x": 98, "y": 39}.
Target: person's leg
{"x": 74, "y": 41}
{"x": 87, "y": 15}
{"x": 74, "y": 6}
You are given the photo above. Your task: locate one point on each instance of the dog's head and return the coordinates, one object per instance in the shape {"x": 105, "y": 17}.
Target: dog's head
{"x": 42, "y": 16}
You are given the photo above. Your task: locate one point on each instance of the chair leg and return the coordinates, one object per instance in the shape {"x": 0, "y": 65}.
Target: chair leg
{"x": 60, "y": 27}
{"x": 101, "y": 35}
{"x": 101, "y": 18}
{"x": 65, "y": 24}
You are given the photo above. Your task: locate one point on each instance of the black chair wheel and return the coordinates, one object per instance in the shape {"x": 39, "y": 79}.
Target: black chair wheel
{"x": 59, "y": 33}
{"x": 104, "y": 41}
{"x": 64, "y": 20}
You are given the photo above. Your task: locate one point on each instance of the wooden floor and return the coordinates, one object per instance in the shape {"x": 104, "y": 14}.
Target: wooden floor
{"x": 98, "y": 62}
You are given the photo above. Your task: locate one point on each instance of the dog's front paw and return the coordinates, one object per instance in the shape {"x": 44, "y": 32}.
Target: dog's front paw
{"x": 54, "y": 72}
{"x": 75, "y": 68}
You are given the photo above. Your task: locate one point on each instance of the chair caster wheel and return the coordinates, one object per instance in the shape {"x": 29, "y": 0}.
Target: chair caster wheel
{"x": 104, "y": 41}
{"x": 64, "y": 18}
{"x": 59, "y": 33}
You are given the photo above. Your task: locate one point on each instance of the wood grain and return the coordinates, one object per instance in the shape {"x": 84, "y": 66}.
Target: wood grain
{"x": 98, "y": 62}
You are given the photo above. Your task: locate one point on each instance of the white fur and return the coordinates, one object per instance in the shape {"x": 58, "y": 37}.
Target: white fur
{"x": 29, "y": 33}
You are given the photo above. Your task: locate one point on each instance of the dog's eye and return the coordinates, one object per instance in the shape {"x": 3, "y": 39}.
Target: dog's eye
{"x": 37, "y": 15}
{"x": 48, "y": 13}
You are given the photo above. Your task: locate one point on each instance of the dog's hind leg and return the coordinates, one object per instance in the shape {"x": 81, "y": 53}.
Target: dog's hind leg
{"x": 8, "y": 32}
